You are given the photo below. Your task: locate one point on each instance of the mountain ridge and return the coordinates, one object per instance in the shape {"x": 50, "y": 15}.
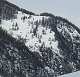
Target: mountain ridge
{"x": 48, "y": 44}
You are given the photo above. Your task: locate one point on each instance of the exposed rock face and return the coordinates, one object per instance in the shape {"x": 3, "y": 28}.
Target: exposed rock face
{"x": 38, "y": 45}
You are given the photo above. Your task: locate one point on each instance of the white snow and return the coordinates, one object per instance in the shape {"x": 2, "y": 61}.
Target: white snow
{"x": 24, "y": 27}
{"x": 24, "y": 30}
{"x": 74, "y": 74}
{"x": 49, "y": 70}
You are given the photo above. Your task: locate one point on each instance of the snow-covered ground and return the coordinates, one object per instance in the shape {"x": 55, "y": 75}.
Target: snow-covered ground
{"x": 30, "y": 30}
{"x": 74, "y": 74}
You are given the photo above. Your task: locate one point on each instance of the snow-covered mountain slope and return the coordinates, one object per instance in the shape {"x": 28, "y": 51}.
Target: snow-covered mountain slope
{"x": 16, "y": 60}
{"x": 53, "y": 40}
{"x": 74, "y": 74}
{"x": 31, "y": 31}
